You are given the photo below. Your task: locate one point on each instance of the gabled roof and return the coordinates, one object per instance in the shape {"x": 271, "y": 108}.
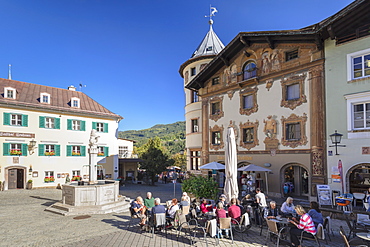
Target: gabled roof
{"x": 210, "y": 45}
{"x": 28, "y": 96}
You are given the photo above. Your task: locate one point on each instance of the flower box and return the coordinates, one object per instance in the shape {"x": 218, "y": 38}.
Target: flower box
{"x": 49, "y": 153}
{"x": 49, "y": 179}
{"x": 15, "y": 152}
{"x": 76, "y": 154}
{"x": 76, "y": 178}
{"x": 101, "y": 154}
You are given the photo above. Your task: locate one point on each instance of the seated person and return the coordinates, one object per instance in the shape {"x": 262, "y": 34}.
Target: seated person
{"x": 138, "y": 209}
{"x": 315, "y": 214}
{"x": 234, "y": 210}
{"x": 305, "y": 224}
{"x": 272, "y": 211}
{"x": 171, "y": 211}
{"x": 149, "y": 201}
{"x": 288, "y": 207}
{"x": 184, "y": 200}
{"x": 205, "y": 207}
{"x": 222, "y": 199}
{"x": 221, "y": 213}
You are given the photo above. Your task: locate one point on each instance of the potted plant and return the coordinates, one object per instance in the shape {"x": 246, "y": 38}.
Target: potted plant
{"x": 29, "y": 184}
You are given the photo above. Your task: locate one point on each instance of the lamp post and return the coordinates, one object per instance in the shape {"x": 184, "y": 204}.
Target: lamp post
{"x": 32, "y": 147}
{"x": 335, "y": 139}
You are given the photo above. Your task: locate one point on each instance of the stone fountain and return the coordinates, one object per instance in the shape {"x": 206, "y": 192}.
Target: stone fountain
{"x": 92, "y": 197}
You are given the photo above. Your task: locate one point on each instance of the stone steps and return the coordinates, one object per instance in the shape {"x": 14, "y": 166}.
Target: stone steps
{"x": 122, "y": 205}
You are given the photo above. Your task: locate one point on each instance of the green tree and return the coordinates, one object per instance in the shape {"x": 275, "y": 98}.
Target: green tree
{"x": 180, "y": 161}
{"x": 200, "y": 186}
{"x": 155, "y": 157}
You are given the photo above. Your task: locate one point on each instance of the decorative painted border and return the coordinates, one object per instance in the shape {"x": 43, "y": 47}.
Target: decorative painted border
{"x": 214, "y": 129}
{"x": 255, "y": 142}
{"x": 218, "y": 115}
{"x": 292, "y": 104}
{"x": 246, "y": 92}
{"x": 294, "y": 119}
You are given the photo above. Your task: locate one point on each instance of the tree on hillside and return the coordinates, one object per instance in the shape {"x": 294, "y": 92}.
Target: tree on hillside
{"x": 155, "y": 157}
{"x": 180, "y": 161}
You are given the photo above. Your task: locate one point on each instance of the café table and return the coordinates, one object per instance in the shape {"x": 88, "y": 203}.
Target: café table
{"x": 283, "y": 221}
{"x": 363, "y": 235}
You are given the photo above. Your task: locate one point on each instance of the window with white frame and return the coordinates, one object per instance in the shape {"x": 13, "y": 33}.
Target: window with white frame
{"x": 16, "y": 119}
{"x": 123, "y": 151}
{"x": 75, "y": 102}
{"x": 76, "y": 125}
{"x": 49, "y": 122}
{"x": 358, "y": 111}
{"x": 100, "y": 127}
{"x": 194, "y": 125}
{"x": 76, "y": 173}
{"x": 76, "y": 150}
{"x": 45, "y": 98}
{"x": 15, "y": 147}
{"x": 49, "y": 148}
{"x": 358, "y": 65}
{"x": 101, "y": 151}
{"x": 9, "y": 93}
{"x": 194, "y": 159}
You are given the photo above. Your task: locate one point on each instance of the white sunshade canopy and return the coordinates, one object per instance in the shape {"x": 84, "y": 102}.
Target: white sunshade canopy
{"x": 213, "y": 165}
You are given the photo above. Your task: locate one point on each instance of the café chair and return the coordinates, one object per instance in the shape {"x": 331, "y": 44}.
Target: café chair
{"x": 225, "y": 224}
{"x": 272, "y": 229}
{"x": 309, "y": 236}
{"x": 158, "y": 223}
{"x": 190, "y": 228}
{"x": 327, "y": 228}
{"x": 353, "y": 227}
{"x": 358, "y": 196}
{"x": 353, "y": 241}
{"x": 243, "y": 225}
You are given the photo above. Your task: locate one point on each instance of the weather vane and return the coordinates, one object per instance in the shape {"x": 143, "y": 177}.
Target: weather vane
{"x": 212, "y": 11}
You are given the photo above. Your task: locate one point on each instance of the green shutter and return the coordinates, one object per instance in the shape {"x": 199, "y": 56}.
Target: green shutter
{"x": 106, "y": 151}
{"x": 24, "y": 149}
{"x": 41, "y": 150}
{"x": 41, "y": 122}
{"x": 25, "y": 120}
{"x": 69, "y": 150}
{"x": 57, "y": 150}
{"x": 83, "y": 150}
{"x": 83, "y": 125}
{"x": 6, "y": 149}
{"x": 6, "y": 119}
{"x": 57, "y": 123}
{"x": 69, "y": 124}
{"x": 105, "y": 127}
{"x": 94, "y": 125}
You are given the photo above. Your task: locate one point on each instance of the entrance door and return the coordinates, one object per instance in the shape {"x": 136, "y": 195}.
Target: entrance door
{"x": 16, "y": 178}
{"x": 296, "y": 181}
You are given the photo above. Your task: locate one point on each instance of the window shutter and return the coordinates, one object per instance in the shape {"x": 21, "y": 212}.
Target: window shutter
{"x": 41, "y": 122}
{"x": 6, "y": 119}
{"x": 57, "y": 150}
{"x": 69, "y": 150}
{"x": 57, "y": 123}
{"x": 83, "y": 125}
{"x": 41, "y": 150}
{"x": 106, "y": 151}
{"x": 105, "y": 127}
{"x": 24, "y": 148}
{"x": 25, "y": 120}
{"x": 69, "y": 124}
{"x": 94, "y": 126}
{"x": 83, "y": 150}
{"x": 6, "y": 149}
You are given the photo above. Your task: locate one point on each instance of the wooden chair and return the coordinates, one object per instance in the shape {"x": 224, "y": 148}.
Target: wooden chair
{"x": 273, "y": 229}
{"x": 185, "y": 210}
{"x": 225, "y": 224}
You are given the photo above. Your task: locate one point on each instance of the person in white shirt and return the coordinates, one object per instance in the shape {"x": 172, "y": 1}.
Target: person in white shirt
{"x": 171, "y": 211}
{"x": 260, "y": 198}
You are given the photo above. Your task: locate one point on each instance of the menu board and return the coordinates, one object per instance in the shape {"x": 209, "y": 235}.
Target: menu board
{"x": 323, "y": 195}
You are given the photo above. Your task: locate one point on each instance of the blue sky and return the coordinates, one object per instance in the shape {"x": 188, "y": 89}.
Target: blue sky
{"x": 128, "y": 53}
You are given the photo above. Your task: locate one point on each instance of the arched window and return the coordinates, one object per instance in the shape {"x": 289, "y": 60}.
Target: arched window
{"x": 250, "y": 70}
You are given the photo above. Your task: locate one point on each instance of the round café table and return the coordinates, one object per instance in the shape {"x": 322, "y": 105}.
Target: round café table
{"x": 363, "y": 235}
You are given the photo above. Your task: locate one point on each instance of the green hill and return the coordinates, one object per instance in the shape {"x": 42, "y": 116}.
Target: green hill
{"x": 172, "y": 135}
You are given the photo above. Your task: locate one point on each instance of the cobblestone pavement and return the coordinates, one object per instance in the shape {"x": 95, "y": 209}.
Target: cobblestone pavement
{"x": 25, "y": 223}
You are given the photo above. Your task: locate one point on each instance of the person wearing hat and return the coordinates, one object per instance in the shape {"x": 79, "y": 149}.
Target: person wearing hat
{"x": 185, "y": 200}
{"x": 222, "y": 199}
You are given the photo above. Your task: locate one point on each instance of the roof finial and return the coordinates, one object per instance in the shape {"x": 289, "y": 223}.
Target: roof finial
{"x": 212, "y": 11}
{"x": 10, "y": 72}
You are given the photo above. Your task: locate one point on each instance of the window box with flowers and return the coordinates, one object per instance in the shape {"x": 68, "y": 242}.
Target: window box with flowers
{"x": 101, "y": 154}
{"x": 76, "y": 178}
{"x": 15, "y": 152}
{"x": 76, "y": 154}
{"x": 49, "y": 179}
{"x": 51, "y": 153}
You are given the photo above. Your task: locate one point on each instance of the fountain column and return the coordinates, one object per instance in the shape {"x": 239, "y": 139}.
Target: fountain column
{"x": 93, "y": 158}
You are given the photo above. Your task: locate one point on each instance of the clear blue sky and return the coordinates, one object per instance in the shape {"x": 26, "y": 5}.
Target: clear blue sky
{"x": 128, "y": 52}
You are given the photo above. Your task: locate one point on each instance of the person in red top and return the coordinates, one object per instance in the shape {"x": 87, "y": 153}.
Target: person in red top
{"x": 234, "y": 210}
{"x": 305, "y": 224}
{"x": 204, "y": 207}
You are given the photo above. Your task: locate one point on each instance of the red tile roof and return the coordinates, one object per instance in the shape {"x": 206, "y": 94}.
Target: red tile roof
{"x": 28, "y": 96}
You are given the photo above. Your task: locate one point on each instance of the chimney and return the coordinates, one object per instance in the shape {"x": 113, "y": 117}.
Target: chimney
{"x": 72, "y": 88}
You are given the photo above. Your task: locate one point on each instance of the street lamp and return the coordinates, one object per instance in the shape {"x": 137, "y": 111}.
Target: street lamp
{"x": 32, "y": 147}
{"x": 335, "y": 139}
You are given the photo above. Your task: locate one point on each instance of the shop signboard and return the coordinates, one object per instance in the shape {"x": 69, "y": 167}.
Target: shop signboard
{"x": 323, "y": 194}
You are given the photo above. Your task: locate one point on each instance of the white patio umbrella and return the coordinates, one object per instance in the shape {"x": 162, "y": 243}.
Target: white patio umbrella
{"x": 254, "y": 168}
{"x": 231, "y": 184}
{"x": 213, "y": 165}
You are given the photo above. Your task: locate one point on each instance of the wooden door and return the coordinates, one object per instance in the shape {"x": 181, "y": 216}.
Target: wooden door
{"x": 12, "y": 179}
{"x": 20, "y": 179}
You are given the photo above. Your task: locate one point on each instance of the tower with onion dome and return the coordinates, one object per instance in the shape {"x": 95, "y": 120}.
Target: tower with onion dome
{"x": 210, "y": 46}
